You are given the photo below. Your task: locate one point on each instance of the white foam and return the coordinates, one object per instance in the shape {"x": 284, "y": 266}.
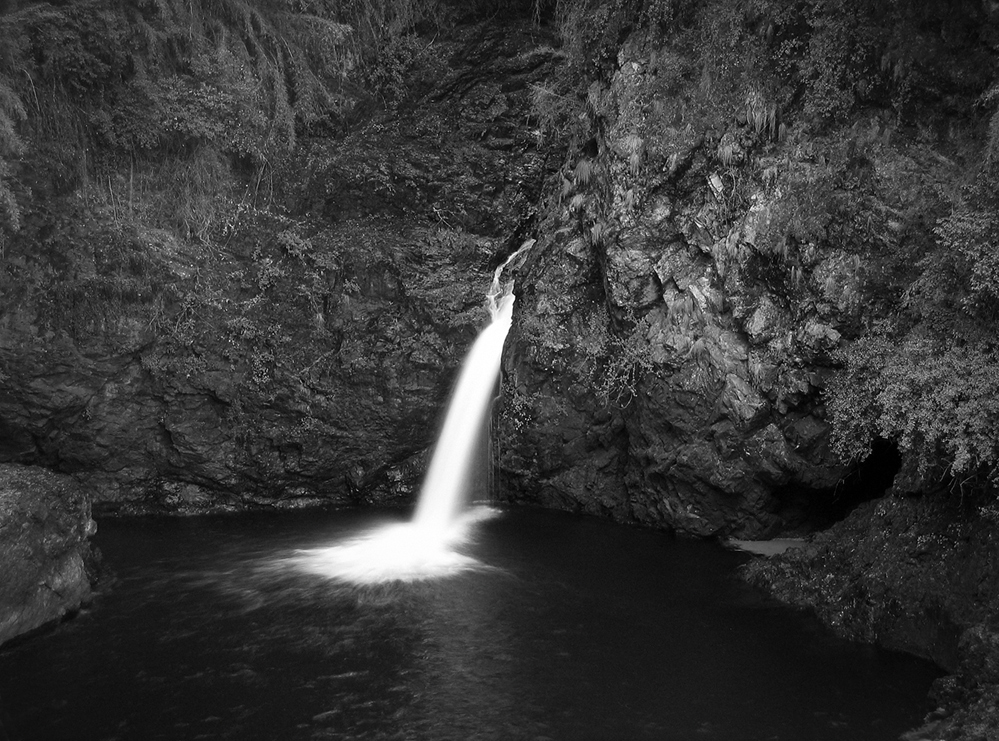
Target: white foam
{"x": 399, "y": 552}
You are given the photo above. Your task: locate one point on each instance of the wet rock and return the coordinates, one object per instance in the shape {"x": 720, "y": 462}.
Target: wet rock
{"x": 818, "y": 338}
{"x": 766, "y": 322}
{"x": 685, "y": 315}
{"x": 741, "y": 403}
{"x": 679, "y": 267}
{"x": 44, "y": 529}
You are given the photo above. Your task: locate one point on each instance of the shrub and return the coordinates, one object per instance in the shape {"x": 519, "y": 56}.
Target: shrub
{"x": 935, "y": 400}
{"x": 971, "y": 232}
{"x": 926, "y": 378}
{"x": 823, "y": 51}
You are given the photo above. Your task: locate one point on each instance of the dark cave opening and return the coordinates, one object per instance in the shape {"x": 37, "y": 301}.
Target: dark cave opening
{"x": 812, "y": 509}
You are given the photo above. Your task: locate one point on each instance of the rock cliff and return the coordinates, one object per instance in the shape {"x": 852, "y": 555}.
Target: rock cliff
{"x": 763, "y": 248}
{"x": 716, "y": 223}
{"x": 668, "y": 364}
{"x": 305, "y": 354}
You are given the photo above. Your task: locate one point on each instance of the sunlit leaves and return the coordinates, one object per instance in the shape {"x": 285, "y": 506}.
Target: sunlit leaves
{"x": 936, "y": 400}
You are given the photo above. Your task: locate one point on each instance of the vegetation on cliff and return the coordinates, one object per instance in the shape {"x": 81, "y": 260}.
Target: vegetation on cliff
{"x": 866, "y": 128}
{"x": 836, "y": 157}
{"x": 233, "y": 257}
{"x": 239, "y": 241}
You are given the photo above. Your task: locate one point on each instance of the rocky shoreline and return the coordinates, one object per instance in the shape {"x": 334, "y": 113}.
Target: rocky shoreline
{"x": 914, "y": 574}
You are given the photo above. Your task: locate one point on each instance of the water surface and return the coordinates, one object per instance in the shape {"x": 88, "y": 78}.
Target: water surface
{"x": 576, "y": 629}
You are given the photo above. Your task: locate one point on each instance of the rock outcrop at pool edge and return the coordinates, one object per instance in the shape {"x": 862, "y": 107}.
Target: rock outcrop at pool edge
{"x": 44, "y": 529}
{"x": 912, "y": 574}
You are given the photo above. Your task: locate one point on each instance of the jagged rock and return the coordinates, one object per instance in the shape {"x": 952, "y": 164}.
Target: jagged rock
{"x": 741, "y": 403}
{"x": 630, "y": 275}
{"x": 44, "y": 529}
{"x": 679, "y": 267}
{"x": 767, "y": 322}
{"x": 707, "y": 344}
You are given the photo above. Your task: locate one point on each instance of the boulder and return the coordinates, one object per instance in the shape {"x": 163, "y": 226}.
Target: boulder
{"x": 45, "y": 525}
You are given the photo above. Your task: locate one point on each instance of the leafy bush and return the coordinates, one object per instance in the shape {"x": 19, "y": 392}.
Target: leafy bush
{"x": 935, "y": 400}
{"x": 831, "y": 50}
{"x": 926, "y": 378}
{"x": 220, "y": 105}
{"x": 971, "y": 231}
{"x": 591, "y": 31}
{"x": 388, "y": 73}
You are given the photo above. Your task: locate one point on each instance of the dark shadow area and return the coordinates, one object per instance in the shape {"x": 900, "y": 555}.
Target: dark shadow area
{"x": 816, "y": 509}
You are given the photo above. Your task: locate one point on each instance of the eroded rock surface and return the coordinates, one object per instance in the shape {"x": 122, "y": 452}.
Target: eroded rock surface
{"x": 672, "y": 368}
{"x": 44, "y": 529}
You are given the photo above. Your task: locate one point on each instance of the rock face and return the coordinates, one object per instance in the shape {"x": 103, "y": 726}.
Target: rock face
{"x": 306, "y": 355}
{"x": 666, "y": 369}
{"x": 44, "y": 526}
{"x": 912, "y": 574}
{"x": 678, "y": 315}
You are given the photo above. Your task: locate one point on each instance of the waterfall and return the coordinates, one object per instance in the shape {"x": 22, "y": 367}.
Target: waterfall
{"x": 425, "y": 547}
{"x": 444, "y": 489}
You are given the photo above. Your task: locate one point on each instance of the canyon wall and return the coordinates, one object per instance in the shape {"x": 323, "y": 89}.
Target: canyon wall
{"x": 304, "y": 354}
{"x": 762, "y": 252}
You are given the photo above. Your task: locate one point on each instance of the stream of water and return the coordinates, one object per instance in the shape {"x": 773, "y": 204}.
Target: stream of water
{"x": 571, "y": 629}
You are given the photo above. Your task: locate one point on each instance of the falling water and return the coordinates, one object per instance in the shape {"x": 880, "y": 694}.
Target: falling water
{"x": 425, "y": 547}
{"x": 443, "y": 491}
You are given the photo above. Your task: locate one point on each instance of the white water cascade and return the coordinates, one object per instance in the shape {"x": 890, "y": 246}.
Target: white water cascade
{"x": 426, "y": 546}
{"x": 444, "y": 488}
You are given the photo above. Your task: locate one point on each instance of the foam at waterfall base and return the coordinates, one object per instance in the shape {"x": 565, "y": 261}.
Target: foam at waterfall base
{"x": 397, "y": 552}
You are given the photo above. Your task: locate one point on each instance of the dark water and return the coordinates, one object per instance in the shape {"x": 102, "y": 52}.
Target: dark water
{"x": 586, "y": 630}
